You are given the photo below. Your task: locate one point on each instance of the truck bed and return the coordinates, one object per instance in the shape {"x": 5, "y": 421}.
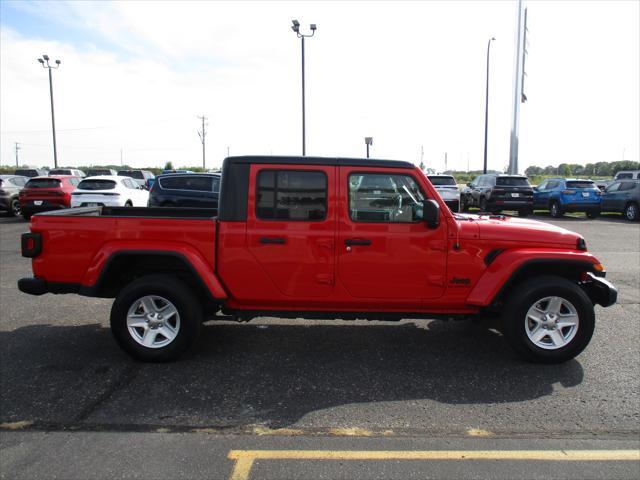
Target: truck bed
{"x": 77, "y": 242}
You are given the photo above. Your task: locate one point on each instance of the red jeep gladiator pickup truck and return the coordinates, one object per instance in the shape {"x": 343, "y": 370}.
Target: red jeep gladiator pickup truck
{"x": 307, "y": 237}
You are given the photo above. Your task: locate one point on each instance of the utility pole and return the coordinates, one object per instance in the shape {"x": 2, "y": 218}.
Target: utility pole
{"x": 18, "y": 148}
{"x": 44, "y": 61}
{"x": 227, "y": 151}
{"x": 518, "y": 84}
{"x": 486, "y": 107}
{"x": 120, "y": 157}
{"x": 445, "y": 161}
{"x": 202, "y": 133}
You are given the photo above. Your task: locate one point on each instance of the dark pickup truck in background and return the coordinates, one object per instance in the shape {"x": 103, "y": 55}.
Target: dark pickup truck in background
{"x": 308, "y": 237}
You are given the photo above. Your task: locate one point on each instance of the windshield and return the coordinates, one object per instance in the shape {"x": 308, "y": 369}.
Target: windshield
{"x": 97, "y": 185}
{"x": 437, "y": 181}
{"x": 43, "y": 183}
{"x": 512, "y": 182}
{"x": 581, "y": 184}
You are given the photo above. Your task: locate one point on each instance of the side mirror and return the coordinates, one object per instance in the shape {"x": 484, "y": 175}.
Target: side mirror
{"x": 431, "y": 213}
{"x": 469, "y": 184}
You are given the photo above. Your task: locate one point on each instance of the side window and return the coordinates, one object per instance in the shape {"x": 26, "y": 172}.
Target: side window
{"x": 613, "y": 187}
{"x": 552, "y": 185}
{"x": 384, "y": 198}
{"x": 17, "y": 181}
{"x": 216, "y": 184}
{"x": 624, "y": 186}
{"x": 129, "y": 183}
{"x": 74, "y": 181}
{"x": 291, "y": 195}
{"x": 622, "y": 176}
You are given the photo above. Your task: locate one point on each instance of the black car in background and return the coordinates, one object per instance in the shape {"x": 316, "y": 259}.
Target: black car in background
{"x": 10, "y": 186}
{"x": 199, "y": 190}
{"x": 622, "y": 197}
{"x": 31, "y": 172}
{"x": 496, "y": 192}
{"x": 141, "y": 177}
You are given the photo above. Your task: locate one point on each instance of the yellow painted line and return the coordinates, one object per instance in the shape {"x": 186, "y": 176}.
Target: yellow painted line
{"x": 244, "y": 458}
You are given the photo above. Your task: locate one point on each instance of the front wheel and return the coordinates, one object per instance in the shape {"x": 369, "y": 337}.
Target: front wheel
{"x": 156, "y": 318}
{"x": 524, "y": 212}
{"x": 14, "y": 211}
{"x": 631, "y": 212}
{"x": 593, "y": 214}
{"x": 548, "y": 319}
{"x": 464, "y": 206}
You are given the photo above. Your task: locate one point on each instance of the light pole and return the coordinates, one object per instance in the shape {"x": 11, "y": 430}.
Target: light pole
{"x": 296, "y": 28}
{"x": 44, "y": 61}
{"x": 486, "y": 108}
{"x": 368, "y": 141}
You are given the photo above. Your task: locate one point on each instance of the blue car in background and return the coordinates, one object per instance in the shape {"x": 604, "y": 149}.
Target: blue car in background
{"x": 562, "y": 195}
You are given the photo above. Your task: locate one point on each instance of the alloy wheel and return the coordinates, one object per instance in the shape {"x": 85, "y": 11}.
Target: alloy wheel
{"x": 153, "y": 321}
{"x": 551, "y": 323}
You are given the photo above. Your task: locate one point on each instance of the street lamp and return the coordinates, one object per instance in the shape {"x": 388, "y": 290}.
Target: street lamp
{"x": 296, "y": 28}
{"x": 44, "y": 61}
{"x": 486, "y": 107}
{"x": 368, "y": 141}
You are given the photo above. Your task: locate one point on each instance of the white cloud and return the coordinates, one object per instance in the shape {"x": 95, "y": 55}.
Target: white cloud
{"x": 407, "y": 73}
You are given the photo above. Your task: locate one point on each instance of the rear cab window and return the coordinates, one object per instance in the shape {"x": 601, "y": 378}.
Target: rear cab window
{"x": 512, "y": 182}
{"x": 294, "y": 195}
{"x": 581, "y": 184}
{"x": 443, "y": 180}
{"x": 97, "y": 185}
{"x": 43, "y": 183}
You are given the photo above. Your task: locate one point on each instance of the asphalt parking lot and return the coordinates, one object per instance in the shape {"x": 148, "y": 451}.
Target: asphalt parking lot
{"x": 66, "y": 388}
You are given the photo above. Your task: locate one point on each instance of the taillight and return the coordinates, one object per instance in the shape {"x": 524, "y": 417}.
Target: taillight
{"x": 31, "y": 244}
{"x": 568, "y": 192}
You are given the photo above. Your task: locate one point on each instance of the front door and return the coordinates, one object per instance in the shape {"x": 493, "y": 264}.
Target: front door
{"x": 385, "y": 251}
{"x": 291, "y": 227}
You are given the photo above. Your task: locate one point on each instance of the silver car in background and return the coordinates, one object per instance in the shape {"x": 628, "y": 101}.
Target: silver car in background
{"x": 448, "y": 189}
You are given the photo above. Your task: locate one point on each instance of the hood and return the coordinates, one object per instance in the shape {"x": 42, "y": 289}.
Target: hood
{"x": 513, "y": 229}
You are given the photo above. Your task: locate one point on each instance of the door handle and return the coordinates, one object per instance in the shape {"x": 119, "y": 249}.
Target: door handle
{"x": 272, "y": 240}
{"x": 357, "y": 241}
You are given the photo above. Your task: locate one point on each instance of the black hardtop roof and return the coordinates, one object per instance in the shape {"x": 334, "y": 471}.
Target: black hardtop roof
{"x": 298, "y": 160}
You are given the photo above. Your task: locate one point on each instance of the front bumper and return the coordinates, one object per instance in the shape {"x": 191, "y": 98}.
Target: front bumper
{"x": 599, "y": 290}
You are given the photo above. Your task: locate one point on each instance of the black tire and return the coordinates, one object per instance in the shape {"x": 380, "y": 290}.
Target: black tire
{"x": 524, "y": 212}
{"x": 592, "y": 214}
{"x": 631, "y": 212}
{"x": 483, "y": 204}
{"x": 14, "y": 208}
{"x": 128, "y": 203}
{"x": 464, "y": 206}
{"x": 555, "y": 210}
{"x": 524, "y": 296}
{"x": 176, "y": 292}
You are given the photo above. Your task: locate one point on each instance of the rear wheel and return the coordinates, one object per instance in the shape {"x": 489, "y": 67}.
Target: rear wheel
{"x": 156, "y": 318}
{"x": 464, "y": 206}
{"x": 548, "y": 319}
{"x": 554, "y": 210}
{"x": 631, "y": 212}
{"x": 483, "y": 204}
{"x": 524, "y": 212}
{"x": 592, "y": 214}
{"x": 128, "y": 203}
{"x": 15, "y": 207}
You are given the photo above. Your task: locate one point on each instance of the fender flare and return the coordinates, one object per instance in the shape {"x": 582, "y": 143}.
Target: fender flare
{"x": 203, "y": 272}
{"x": 507, "y": 267}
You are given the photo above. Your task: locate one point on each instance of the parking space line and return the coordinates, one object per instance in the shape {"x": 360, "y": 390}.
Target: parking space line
{"x": 244, "y": 459}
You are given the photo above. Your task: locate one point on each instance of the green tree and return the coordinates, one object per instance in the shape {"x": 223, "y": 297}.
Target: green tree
{"x": 168, "y": 166}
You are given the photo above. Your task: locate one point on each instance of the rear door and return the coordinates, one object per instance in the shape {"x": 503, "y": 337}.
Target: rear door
{"x": 386, "y": 254}
{"x": 291, "y": 225}
{"x": 611, "y": 198}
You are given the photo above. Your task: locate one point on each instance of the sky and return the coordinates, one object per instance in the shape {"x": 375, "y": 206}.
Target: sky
{"x": 136, "y": 75}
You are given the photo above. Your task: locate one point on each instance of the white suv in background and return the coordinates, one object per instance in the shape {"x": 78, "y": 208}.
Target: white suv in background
{"x": 447, "y": 187}
{"x": 109, "y": 191}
